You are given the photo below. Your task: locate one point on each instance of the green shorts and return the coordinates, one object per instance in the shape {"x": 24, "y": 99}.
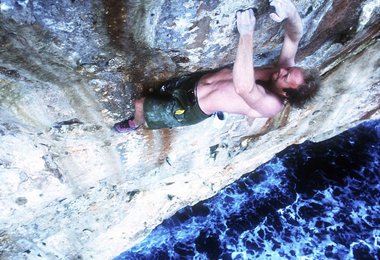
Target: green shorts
{"x": 176, "y": 105}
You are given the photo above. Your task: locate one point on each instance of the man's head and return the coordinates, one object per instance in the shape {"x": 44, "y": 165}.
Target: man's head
{"x": 296, "y": 85}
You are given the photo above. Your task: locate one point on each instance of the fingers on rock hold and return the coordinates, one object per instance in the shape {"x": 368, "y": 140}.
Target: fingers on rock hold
{"x": 275, "y": 17}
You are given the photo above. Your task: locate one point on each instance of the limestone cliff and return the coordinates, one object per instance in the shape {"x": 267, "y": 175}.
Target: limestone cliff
{"x": 71, "y": 188}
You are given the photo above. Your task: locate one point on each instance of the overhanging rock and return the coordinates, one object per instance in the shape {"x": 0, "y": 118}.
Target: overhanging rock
{"x": 72, "y": 188}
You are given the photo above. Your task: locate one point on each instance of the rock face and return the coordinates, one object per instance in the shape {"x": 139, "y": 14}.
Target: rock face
{"x": 72, "y": 188}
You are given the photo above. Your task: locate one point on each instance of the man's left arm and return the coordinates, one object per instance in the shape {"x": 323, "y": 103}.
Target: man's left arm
{"x": 285, "y": 10}
{"x": 261, "y": 103}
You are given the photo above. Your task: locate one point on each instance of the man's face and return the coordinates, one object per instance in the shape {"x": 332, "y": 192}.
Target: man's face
{"x": 286, "y": 78}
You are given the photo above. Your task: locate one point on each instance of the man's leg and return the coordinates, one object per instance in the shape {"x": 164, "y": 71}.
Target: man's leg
{"x": 134, "y": 122}
{"x": 139, "y": 111}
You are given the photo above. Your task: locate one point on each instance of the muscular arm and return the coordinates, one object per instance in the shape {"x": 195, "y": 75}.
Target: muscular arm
{"x": 243, "y": 73}
{"x": 263, "y": 104}
{"x": 285, "y": 10}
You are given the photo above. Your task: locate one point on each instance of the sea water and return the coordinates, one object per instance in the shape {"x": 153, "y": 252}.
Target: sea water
{"x": 311, "y": 201}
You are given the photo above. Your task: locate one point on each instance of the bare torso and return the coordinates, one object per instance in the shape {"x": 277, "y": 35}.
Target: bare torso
{"x": 216, "y": 92}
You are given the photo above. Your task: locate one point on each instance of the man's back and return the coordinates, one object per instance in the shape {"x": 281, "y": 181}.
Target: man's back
{"x": 216, "y": 92}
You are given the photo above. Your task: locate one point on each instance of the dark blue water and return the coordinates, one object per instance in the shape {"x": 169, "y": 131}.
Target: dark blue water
{"x": 311, "y": 201}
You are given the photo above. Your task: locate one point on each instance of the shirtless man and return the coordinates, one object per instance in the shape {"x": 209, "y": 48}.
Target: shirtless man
{"x": 245, "y": 90}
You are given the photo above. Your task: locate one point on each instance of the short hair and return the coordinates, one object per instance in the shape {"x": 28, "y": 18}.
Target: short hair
{"x": 306, "y": 91}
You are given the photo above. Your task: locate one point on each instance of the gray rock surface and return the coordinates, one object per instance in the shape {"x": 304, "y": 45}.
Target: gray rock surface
{"x": 71, "y": 188}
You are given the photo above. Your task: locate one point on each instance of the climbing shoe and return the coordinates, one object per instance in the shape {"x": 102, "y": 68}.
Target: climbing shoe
{"x": 125, "y": 126}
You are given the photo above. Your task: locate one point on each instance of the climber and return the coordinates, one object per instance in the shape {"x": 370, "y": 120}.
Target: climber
{"x": 245, "y": 90}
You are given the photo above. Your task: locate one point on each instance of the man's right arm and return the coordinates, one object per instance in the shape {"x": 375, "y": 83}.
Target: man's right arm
{"x": 285, "y": 10}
